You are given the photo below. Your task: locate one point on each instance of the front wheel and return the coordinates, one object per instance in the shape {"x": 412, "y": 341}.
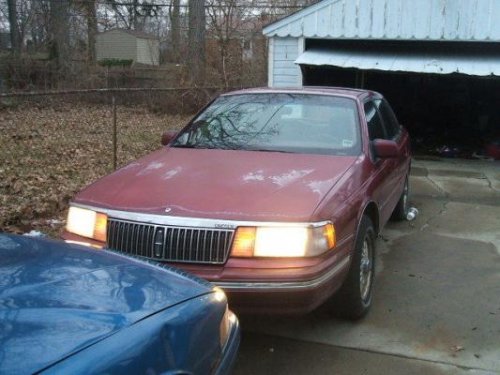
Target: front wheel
{"x": 354, "y": 298}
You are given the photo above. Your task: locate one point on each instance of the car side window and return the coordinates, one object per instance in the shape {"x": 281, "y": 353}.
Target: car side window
{"x": 391, "y": 123}
{"x": 374, "y": 121}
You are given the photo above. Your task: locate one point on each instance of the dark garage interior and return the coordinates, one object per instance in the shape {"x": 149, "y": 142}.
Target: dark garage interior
{"x": 450, "y": 115}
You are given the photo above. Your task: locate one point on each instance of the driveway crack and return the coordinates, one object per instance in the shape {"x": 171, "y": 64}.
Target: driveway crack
{"x": 439, "y": 188}
{"x": 490, "y": 184}
{"x": 391, "y": 354}
{"x": 441, "y": 212}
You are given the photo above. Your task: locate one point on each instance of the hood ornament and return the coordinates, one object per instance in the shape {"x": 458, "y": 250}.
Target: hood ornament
{"x": 167, "y": 210}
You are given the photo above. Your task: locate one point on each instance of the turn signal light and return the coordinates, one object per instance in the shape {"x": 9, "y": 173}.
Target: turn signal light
{"x": 244, "y": 242}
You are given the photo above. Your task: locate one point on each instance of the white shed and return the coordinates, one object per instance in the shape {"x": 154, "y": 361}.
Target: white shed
{"x": 125, "y": 44}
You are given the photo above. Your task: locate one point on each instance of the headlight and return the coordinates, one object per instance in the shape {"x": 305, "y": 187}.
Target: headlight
{"x": 228, "y": 319}
{"x": 225, "y": 326}
{"x": 87, "y": 223}
{"x": 287, "y": 241}
{"x": 281, "y": 242}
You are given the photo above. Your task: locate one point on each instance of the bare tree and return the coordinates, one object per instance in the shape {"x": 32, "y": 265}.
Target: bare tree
{"x": 196, "y": 41}
{"x": 14, "y": 28}
{"x": 134, "y": 14}
{"x": 39, "y": 28}
{"x": 89, "y": 10}
{"x": 59, "y": 34}
{"x": 227, "y": 19}
{"x": 26, "y": 14}
{"x": 91, "y": 14}
{"x": 122, "y": 13}
{"x": 175, "y": 29}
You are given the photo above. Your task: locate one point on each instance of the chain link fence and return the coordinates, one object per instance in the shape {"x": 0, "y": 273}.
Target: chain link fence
{"x": 52, "y": 144}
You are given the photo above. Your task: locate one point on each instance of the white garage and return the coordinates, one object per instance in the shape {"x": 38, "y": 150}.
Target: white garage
{"x": 437, "y": 61}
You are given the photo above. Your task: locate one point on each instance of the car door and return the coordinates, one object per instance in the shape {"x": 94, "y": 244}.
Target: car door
{"x": 394, "y": 132}
{"x": 385, "y": 178}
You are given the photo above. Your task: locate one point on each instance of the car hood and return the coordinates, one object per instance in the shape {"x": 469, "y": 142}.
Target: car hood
{"x": 56, "y": 299}
{"x": 220, "y": 184}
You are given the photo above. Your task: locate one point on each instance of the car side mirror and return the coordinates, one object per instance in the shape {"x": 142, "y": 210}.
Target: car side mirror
{"x": 168, "y": 136}
{"x": 385, "y": 149}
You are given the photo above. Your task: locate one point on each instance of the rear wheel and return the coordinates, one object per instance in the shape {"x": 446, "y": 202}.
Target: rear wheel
{"x": 354, "y": 298}
{"x": 401, "y": 209}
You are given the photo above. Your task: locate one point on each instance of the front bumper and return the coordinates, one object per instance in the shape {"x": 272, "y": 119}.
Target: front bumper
{"x": 285, "y": 297}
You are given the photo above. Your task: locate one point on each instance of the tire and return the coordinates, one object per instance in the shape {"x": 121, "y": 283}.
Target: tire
{"x": 354, "y": 298}
{"x": 401, "y": 209}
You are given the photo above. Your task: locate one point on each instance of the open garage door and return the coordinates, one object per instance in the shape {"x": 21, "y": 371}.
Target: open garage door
{"x": 411, "y": 61}
{"x": 446, "y": 94}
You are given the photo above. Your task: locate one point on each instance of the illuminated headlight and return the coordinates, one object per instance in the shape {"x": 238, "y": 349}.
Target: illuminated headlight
{"x": 287, "y": 241}
{"x": 226, "y": 323}
{"x": 228, "y": 319}
{"x": 87, "y": 223}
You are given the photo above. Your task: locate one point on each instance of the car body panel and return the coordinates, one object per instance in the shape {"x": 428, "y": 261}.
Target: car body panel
{"x": 159, "y": 342}
{"x": 189, "y": 183}
{"x": 57, "y": 300}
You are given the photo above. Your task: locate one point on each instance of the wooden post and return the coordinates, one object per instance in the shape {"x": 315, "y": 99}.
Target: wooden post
{"x": 113, "y": 101}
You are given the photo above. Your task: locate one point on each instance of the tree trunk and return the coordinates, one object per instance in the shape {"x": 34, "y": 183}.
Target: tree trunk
{"x": 135, "y": 14}
{"x": 175, "y": 33}
{"x": 196, "y": 41}
{"x": 91, "y": 30}
{"x": 14, "y": 27}
{"x": 59, "y": 35}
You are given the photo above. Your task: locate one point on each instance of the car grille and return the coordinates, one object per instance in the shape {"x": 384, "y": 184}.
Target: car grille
{"x": 168, "y": 243}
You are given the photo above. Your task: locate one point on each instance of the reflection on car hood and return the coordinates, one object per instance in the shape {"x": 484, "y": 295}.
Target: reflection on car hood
{"x": 220, "y": 184}
{"x": 56, "y": 298}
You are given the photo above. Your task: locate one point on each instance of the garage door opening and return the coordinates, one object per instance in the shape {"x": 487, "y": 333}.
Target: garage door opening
{"x": 447, "y": 114}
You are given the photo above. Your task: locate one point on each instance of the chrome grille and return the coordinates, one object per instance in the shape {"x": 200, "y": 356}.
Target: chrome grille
{"x": 169, "y": 243}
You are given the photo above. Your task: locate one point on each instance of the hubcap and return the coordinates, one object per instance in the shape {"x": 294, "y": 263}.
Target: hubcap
{"x": 366, "y": 269}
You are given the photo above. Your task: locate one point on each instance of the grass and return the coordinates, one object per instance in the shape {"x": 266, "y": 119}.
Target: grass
{"x": 50, "y": 152}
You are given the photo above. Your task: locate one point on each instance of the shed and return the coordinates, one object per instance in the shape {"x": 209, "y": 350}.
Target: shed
{"x": 140, "y": 47}
{"x": 437, "y": 61}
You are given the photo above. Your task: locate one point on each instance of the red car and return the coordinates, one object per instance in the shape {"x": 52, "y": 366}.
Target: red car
{"x": 275, "y": 195}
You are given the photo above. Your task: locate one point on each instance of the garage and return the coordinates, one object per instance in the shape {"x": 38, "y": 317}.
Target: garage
{"x": 437, "y": 62}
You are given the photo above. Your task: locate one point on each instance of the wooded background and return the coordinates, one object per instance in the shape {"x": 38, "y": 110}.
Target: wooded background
{"x": 51, "y": 44}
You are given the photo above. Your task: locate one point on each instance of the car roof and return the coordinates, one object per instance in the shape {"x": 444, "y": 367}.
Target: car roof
{"x": 312, "y": 90}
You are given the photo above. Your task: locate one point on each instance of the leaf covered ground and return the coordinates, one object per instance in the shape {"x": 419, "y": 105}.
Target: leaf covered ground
{"x": 50, "y": 152}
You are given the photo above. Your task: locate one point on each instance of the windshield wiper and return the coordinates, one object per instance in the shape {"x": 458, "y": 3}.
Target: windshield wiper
{"x": 186, "y": 146}
{"x": 232, "y": 148}
{"x": 268, "y": 150}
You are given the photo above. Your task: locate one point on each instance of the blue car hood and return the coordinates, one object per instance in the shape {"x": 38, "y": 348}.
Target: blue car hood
{"x": 56, "y": 299}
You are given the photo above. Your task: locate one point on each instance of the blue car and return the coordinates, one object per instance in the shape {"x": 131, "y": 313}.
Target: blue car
{"x": 69, "y": 309}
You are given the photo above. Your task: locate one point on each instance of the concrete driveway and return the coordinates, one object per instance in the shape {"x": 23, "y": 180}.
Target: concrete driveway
{"x": 437, "y": 294}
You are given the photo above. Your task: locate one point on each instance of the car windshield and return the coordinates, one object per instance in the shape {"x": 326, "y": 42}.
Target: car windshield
{"x": 277, "y": 122}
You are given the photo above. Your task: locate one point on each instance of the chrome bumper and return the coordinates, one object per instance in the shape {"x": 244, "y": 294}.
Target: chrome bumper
{"x": 285, "y": 285}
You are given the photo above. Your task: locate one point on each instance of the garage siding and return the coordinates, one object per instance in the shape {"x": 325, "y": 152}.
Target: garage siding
{"x": 115, "y": 44}
{"x": 422, "y": 20}
{"x": 285, "y": 72}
